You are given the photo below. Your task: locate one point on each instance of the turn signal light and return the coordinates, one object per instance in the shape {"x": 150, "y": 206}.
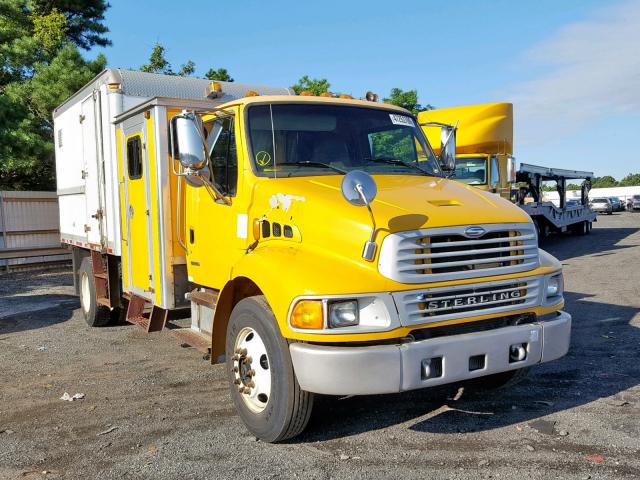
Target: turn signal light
{"x": 326, "y": 94}
{"x": 308, "y": 314}
{"x": 306, "y": 93}
{"x": 372, "y": 97}
{"x": 251, "y": 93}
{"x": 344, "y": 95}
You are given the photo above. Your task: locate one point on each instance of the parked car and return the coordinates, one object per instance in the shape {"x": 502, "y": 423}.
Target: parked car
{"x": 634, "y": 204}
{"x": 573, "y": 203}
{"x": 603, "y": 205}
{"x": 617, "y": 204}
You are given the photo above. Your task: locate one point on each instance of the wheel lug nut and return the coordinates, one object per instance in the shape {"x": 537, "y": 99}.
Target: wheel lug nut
{"x": 243, "y": 351}
{"x": 248, "y": 359}
{"x": 236, "y": 381}
{"x": 235, "y": 369}
{"x": 251, "y": 373}
{"x": 251, "y": 384}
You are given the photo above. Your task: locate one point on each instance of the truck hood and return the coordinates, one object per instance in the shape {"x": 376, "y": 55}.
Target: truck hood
{"x": 403, "y": 202}
{"x": 330, "y": 233}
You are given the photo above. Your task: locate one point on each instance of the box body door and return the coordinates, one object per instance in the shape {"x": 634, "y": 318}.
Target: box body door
{"x": 93, "y": 170}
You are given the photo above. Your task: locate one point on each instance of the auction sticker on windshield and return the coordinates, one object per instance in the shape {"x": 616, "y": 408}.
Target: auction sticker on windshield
{"x": 401, "y": 120}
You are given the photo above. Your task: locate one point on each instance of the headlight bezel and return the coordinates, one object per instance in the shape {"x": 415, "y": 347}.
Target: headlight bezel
{"x": 376, "y": 313}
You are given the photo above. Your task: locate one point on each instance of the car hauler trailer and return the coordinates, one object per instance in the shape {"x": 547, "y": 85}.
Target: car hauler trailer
{"x": 577, "y": 218}
{"x": 484, "y": 159}
{"x": 315, "y": 243}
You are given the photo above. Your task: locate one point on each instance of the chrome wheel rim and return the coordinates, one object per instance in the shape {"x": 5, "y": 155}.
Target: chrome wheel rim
{"x": 85, "y": 292}
{"x": 252, "y": 370}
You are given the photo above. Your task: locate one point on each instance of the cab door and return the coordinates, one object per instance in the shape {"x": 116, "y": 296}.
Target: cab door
{"x": 217, "y": 229}
{"x": 136, "y": 211}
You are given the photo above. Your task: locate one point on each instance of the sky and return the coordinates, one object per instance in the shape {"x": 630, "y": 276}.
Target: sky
{"x": 571, "y": 67}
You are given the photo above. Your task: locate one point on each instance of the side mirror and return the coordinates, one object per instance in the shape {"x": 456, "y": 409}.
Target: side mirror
{"x": 448, "y": 148}
{"x": 189, "y": 145}
{"x": 359, "y": 189}
{"x": 511, "y": 169}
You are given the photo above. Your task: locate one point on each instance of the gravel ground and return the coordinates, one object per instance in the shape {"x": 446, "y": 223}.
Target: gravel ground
{"x": 155, "y": 410}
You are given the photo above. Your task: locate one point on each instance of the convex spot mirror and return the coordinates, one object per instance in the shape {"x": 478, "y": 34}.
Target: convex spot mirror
{"x": 358, "y": 188}
{"x": 190, "y": 147}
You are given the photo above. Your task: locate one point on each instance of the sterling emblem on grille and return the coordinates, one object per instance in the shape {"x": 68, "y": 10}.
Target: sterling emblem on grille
{"x": 474, "y": 231}
{"x": 479, "y": 299}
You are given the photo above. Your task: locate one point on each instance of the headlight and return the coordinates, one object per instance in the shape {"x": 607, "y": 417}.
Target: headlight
{"x": 343, "y": 313}
{"x": 555, "y": 286}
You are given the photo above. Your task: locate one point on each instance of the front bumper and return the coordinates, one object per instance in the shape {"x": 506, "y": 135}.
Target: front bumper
{"x": 395, "y": 368}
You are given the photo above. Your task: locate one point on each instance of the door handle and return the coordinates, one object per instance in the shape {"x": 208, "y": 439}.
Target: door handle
{"x": 131, "y": 211}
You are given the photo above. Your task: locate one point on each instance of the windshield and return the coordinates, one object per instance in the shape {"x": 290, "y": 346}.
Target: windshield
{"x": 290, "y": 140}
{"x": 600, "y": 200}
{"x": 636, "y": 197}
{"x": 472, "y": 171}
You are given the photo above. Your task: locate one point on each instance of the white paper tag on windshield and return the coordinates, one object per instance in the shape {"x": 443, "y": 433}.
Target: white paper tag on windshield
{"x": 401, "y": 120}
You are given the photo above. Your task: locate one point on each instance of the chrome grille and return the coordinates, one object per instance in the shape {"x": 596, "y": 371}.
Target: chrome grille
{"x": 441, "y": 254}
{"x": 443, "y": 303}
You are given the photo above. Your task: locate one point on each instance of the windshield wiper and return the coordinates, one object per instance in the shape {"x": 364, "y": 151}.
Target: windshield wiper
{"x": 395, "y": 161}
{"x": 317, "y": 164}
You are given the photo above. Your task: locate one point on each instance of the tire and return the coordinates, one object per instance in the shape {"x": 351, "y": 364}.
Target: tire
{"x": 499, "y": 381}
{"x": 589, "y": 227}
{"x": 581, "y": 228}
{"x": 95, "y": 315}
{"x": 539, "y": 232}
{"x": 274, "y": 407}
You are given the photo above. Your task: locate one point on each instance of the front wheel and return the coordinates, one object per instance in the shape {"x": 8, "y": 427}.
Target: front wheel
{"x": 263, "y": 385}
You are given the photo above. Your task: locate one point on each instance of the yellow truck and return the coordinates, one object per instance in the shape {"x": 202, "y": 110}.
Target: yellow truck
{"x": 484, "y": 159}
{"x": 312, "y": 244}
{"x": 484, "y": 147}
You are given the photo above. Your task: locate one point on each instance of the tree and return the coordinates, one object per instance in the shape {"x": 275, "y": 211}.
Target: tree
{"x": 84, "y": 20}
{"x": 573, "y": 186}
{"x": 314, "y": 85}
{"x": 631, "y": 180}
{"x": 406, "y": 99}
{"x": 40, "y": 67}
{"x": 159, "y": 64}
{"x": 220, "y": 75}
{"x": 604, "y": 182}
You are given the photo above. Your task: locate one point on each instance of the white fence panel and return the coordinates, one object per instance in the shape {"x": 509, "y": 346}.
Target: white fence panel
{"x": 29, "y": 231}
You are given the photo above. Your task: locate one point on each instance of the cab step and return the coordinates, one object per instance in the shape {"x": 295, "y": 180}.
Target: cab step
{"x": 197, "y": 340}
{"x": 138, "y": 313}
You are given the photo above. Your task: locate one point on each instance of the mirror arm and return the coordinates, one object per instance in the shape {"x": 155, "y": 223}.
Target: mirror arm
{"x": 369, "y": 251}
{"x": 211, "y": 187}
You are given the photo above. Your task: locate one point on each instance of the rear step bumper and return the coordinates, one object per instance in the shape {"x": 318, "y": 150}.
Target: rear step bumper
{"x": 394, "y": 368}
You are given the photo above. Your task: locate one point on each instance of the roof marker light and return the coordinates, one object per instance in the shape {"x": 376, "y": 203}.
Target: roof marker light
{"x": 215, "y": 90}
